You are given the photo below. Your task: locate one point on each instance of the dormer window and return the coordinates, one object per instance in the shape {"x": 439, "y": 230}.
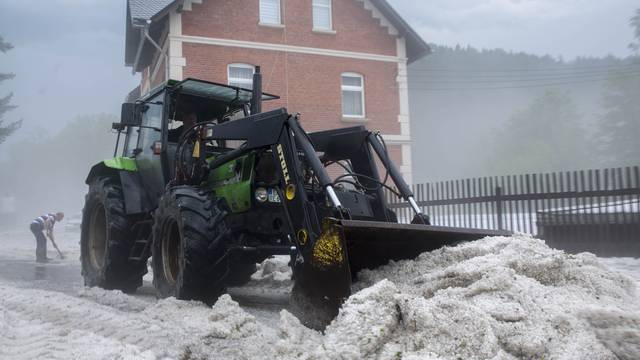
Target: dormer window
{"x": 270, "y": 12}
{"x": 322, "y": 15}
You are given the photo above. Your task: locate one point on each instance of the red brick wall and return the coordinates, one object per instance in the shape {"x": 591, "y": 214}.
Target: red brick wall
{"x": 310, "y": 86}
{"x": 356, "y": 29}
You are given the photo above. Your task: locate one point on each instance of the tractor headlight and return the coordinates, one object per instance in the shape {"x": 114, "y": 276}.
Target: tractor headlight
{"x": 261, "y": 194}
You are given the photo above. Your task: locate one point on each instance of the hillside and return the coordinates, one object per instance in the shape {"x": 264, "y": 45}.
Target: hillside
{"x": 460, "y": 97}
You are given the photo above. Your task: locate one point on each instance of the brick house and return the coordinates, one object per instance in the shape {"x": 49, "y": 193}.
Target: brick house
{"x": 337, "y": 62}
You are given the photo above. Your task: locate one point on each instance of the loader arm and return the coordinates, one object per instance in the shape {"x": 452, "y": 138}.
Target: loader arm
{"x": 330, "y": 245}
{"x": 346, "y": 246}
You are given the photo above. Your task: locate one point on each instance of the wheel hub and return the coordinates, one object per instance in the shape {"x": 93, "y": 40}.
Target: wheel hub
{"x": 171, "y": 241}
{"x": 97, "y": 237}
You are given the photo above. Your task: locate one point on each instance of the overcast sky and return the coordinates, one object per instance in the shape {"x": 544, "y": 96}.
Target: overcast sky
{"x": 567, "y": 28}
{"x": 68, "y": 56}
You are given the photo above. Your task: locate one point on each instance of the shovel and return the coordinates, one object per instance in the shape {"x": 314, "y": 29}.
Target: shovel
{"x": 56, "y": 246}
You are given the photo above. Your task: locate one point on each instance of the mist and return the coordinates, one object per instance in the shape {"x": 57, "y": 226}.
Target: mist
{"x": 467, "y": 110}
{"x": 70, "y": 79}
{"x": 214, "y": 234}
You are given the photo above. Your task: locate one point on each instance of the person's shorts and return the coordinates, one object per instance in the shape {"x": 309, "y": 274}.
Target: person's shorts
{"x": 35, "y": 227}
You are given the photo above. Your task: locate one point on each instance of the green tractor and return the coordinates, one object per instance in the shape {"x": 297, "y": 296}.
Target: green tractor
{"x": 208, "y": 200}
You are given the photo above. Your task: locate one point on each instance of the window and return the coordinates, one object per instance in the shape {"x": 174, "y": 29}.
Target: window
{"x": 352, "y": 95}
{"x": 152, "y": 120}
{"x": 322, "y": 15}
{"x": 241, "y": 75}
{"x": 270, "y": 12}
{"x": 131, "y": 141}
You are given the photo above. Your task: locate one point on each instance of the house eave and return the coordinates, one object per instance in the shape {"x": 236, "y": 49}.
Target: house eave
{"x": 417, "y": 48}
{"x": 135, "y": 42}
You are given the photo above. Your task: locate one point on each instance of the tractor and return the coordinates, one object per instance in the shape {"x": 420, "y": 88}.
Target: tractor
{"x": 233, "y": 186}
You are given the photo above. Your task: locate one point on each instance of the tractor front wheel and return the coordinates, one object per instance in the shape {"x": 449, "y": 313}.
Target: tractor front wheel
{"x": 190, "y": 246}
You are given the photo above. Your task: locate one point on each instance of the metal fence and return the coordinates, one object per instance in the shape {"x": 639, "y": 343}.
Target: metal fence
{"x": 599, "y": 205}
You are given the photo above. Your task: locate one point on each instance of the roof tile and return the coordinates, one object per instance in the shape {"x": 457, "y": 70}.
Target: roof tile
{"x": 147, "y": 9}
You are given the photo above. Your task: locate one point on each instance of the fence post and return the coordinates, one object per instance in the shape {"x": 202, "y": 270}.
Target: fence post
{"x": 499, "y": 206}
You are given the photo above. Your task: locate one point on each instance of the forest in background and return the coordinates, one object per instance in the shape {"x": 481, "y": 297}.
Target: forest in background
{"x": 491, "y": 112}
{"x": 47, "y": 172}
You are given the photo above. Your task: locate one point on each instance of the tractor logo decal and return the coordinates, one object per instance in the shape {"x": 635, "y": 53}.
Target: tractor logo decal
{"x": 328, "y": 251}
{"x": 283, "y": 165}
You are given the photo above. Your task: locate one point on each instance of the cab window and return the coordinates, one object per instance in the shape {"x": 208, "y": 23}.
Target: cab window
{"x": 150, "y": 132}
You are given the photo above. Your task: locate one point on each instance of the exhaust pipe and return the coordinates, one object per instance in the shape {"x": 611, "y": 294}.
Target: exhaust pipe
{"x": 256, "y": 96}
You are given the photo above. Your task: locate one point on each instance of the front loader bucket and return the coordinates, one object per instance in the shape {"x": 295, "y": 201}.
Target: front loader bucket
{"x": 348, "y": 246}
{"x": 371, "y": 244}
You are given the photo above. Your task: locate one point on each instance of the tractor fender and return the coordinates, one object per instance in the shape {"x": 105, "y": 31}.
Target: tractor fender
{"x": 111, "y": 167}
{"x": 100, "y": 170}
{"x": 123, "y": 170}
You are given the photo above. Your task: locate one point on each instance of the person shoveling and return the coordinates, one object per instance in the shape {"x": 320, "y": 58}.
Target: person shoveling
{"x": 45, "y": 224}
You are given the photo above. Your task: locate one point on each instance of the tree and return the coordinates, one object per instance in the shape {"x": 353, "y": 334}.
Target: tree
{"x": 69, "y": 153}
{"x": 617, "y": 140}
{"x": 618, "y": 137}
{"x": 5, "y": 105}
{"x": 635, "y": 23}
{"x": 545, "y": 136}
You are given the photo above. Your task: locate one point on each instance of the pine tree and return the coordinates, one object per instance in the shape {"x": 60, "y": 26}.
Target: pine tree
{"x": 5, "y": 102}
{"x": 619, "y": 127}
{"x": 635, "y": 23}
{"x": 545, "y": 136}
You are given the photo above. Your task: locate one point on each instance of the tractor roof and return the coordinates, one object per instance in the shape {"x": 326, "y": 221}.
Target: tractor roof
{"x": 210, "y": 90}
{"x": 214, "y": 91}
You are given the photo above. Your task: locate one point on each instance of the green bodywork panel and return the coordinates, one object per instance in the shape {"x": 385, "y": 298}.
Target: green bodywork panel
{"x": 232, "y": 181}
{"x": 121, "y": 163}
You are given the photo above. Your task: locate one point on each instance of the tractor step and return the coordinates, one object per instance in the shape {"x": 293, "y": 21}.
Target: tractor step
{"x": 141, "y": 248}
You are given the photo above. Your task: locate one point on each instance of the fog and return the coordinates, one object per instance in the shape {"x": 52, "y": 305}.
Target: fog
{"x": 474, "y": 110}
{"x": 70, "y": 78}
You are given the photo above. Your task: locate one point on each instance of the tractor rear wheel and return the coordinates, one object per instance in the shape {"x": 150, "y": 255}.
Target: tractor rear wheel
{"x": 190, "y": 257}
{"x": 106, "y": 239}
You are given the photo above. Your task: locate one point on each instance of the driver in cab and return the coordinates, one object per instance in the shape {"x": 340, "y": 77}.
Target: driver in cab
{"x": 188, "y": 118}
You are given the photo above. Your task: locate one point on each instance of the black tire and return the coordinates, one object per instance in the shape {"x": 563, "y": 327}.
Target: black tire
{"x": 106, "y": 239}
{"x": 190, "y": 246}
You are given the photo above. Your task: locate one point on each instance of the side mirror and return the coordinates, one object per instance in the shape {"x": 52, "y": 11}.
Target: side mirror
{"x": 128, "y": 116}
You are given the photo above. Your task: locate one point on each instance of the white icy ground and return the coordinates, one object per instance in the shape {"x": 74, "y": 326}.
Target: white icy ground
{"x": 498, "y": 298}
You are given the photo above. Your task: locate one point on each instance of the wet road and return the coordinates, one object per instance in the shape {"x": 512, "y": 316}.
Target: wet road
{"x": 18, "y": 266}
{"x": 19, "y": 269}
{"x": 63, "y": 277}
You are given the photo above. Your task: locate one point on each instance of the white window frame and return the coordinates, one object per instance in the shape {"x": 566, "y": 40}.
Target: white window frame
{"x": 314, "y": 5}
{"x": 360, "y": 88}
{"x": 266, "y": 22}
{"x": 238, "y": 80}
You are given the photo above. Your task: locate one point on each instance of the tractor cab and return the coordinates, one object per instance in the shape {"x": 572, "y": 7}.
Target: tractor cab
{"x": 158, "y": 124}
